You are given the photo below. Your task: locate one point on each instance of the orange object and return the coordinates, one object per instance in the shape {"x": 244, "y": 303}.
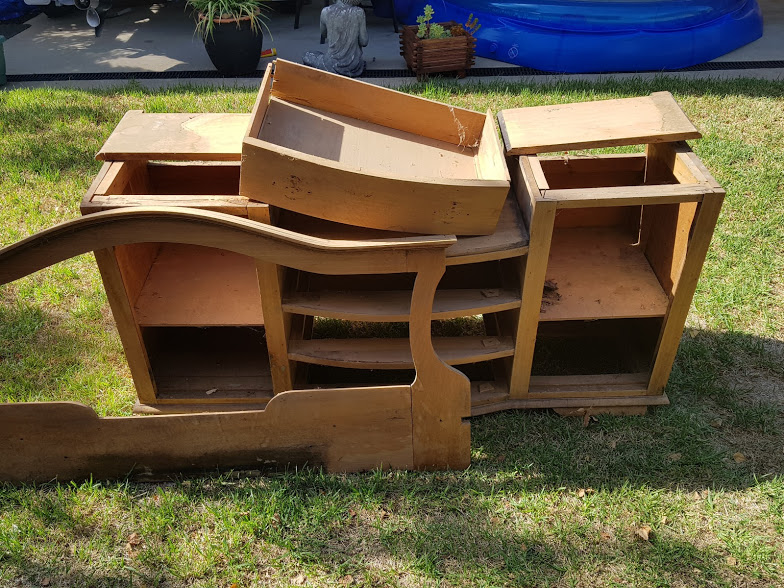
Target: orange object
{"x": 269, "y": 52}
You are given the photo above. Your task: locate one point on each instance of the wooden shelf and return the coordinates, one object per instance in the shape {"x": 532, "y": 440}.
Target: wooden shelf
{"x": 395, "y": 306}
{"x": 396, "y": 353}
{"x": 600, "y": 273}
{"x": 510, "y": 238}
{"x": 190, "y": 285}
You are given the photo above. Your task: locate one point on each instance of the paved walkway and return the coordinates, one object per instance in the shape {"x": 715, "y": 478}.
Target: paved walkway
{"x": 159, "y": 38}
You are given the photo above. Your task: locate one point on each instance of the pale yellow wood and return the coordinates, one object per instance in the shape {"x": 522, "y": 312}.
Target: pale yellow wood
{"x": 394, "y": 305}
{"x": 127, "y": 328}
{"x": 704, "y": 224}
{"x": 490, "y": 159}
{"x": 86, "y": 206}
{"x": 396, "y": 353}
{"x": 259, "y": 109}
{"x": 176, "y": 137}
{"x": 197, "y": 286}
{"x": 342, "y": 430}
{"x": 599, "y": 273}
{"x": 532, "y": 277}
{"x": 626, "y": 121}
{"x": 311, "y": 87}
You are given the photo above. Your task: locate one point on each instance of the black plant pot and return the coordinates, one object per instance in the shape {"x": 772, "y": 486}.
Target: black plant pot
{"x": 233, "y": 50}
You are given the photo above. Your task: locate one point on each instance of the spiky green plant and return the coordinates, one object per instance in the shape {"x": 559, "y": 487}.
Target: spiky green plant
{"x": 428, "y": 30}
{"x": 210, "y": 10}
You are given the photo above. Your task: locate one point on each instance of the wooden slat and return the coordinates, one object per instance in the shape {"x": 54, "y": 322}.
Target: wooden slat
{"x": 396, "y": 353}
{"x": 394, "y": 306}
{"x": 235, "y": 205}
{"x": 589, "y": 386}
{"x": 176, "y": 137}
{"x": 200, "y": 286}
{"x": 600, "y": 273}
{"x": 625, "y": 195}
{"x": 590, "y": 405}
{"x": 311, "y": 87}
{"x": 626, "y": 121}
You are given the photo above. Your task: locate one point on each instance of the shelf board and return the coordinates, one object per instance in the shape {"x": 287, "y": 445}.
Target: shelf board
{"x": 189, "y": 285}
{"x": 600, "y": 273}
{"x": 396, "y": 353}
{"x": 510, "y": 238}
{"x": 395, "y": 306}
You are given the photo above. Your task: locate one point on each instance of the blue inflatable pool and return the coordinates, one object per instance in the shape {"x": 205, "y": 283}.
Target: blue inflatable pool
{"x": 601, "y": 35}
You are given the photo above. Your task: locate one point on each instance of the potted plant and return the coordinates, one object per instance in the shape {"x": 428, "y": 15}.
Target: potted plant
{"x": 232, "y": 33}
{"x": 430, "y": 47}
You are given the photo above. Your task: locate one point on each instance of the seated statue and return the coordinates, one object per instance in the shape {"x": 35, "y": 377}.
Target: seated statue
{"x": 343, "y": 24}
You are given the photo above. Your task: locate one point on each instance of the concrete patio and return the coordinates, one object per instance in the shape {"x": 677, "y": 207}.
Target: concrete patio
{"x": 159, "y": 38}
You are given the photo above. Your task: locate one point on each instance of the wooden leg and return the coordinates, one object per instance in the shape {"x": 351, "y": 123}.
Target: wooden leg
{"x": 705, "y": 222}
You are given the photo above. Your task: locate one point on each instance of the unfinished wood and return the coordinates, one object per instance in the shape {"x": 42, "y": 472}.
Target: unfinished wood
{"x": 311, "y": 87}
{"x": 86, "y": 206}
{"x": 394, "y": 306}
{"x": 271, "y": 280}
{"x": 118, "y": 178}
{"x": 589, "y": 386}
{"x": 365, "y": 146}
{"x": 135, "y": 262}
{"x": 542, "y": 219}
{"x": 673, "y": 159}
{"x": 128, "y": 330}
{"x": 440, "y": 395}
{"x": 396, "y": 353}
{"x": 342, "y": 430}
{"x": 234, "y": 205}
{"x": 259, "y": 110}
{"x": 490, "y": 161}
{"x": 625, "y": 195}
{"x": 481, "y": 404}
{"x": 139, "y": 408}
{"x": 704, "y": 224}
{"x": 208, "y": 229}
{"x": 190, "y": 285}
{"x": 600, "y": 273}
{"x": 605, "y": 123}
{"x": 176, "y": 137}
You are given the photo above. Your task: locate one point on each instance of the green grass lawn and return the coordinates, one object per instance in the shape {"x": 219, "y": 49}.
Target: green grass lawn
{"x": 546, "y": 501}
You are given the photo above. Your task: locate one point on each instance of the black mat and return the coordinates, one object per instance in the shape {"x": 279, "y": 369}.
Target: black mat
{"x": 369, "y": 74}
{"x": 8, "y": 30}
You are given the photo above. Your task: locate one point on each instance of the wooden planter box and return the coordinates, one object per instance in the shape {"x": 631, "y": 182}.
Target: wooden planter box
{"x": 425, "y": 56}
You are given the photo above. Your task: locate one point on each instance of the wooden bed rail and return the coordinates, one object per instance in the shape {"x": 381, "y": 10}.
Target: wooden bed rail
{"x": 210, "y": 229}
{"x": 417, "y": 426}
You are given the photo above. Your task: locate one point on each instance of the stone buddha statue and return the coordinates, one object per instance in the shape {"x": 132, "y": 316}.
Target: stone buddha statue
{"x": 343, "y": 25}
